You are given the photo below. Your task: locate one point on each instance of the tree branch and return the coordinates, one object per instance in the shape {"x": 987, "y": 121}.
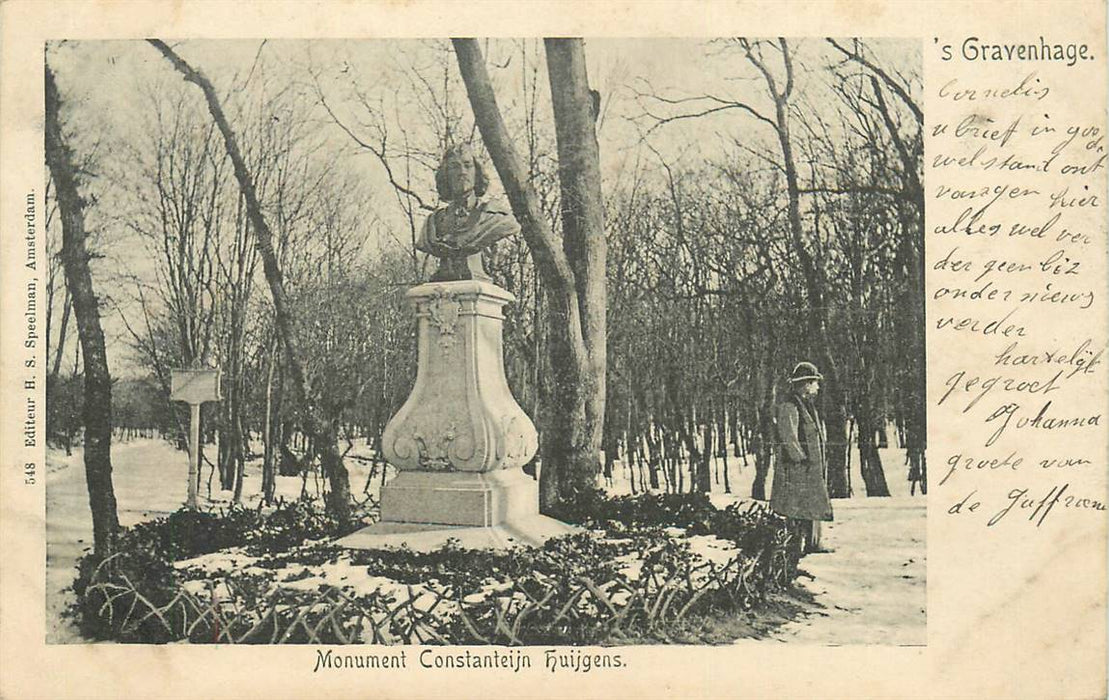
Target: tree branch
{"x": 321, "y": 435}
{"x": 893, "y": 85}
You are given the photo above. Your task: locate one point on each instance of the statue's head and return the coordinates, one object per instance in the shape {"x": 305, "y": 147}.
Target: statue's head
{"x": 459, "y": 173}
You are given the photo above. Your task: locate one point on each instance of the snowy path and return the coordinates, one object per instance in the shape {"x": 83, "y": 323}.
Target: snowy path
{"x": 149, "y": 478}
{"x": 871, "y": 588}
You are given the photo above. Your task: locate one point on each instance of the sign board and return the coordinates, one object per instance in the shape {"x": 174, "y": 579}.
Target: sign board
{"x": 194, "y": 386}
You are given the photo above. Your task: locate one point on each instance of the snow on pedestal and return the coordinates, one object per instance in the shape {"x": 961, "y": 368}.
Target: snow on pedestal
{"x": 460, "y": 439}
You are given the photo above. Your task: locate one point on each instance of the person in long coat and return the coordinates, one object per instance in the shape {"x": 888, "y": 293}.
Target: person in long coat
{"x": 800, "y": 489}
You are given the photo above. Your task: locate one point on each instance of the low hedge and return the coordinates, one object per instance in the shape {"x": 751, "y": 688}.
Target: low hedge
{"x": 632, "y": 577}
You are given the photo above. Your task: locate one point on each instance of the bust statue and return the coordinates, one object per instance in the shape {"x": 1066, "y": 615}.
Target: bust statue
{"x": 457, "y": 232}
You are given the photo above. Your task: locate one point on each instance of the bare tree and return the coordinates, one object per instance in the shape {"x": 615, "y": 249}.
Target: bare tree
{"x": 574, "y": 414}
{"x": 98, "y": 383}
{"x": 322, "y": 434}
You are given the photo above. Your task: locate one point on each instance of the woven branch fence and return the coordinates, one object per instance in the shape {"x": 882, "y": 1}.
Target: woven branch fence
{"x": 532, "y": 610}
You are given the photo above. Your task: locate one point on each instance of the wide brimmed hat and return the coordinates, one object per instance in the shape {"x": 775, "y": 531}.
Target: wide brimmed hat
{"x": 805, "y": 371}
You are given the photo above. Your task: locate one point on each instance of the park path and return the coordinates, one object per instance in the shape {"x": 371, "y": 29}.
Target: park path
{"x": 871, "y": 589}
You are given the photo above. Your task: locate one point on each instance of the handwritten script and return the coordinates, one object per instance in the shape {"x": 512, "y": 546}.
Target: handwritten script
{"x": 1016, "y": 266}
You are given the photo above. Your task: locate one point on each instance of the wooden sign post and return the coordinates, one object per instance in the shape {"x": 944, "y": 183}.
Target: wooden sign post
{"x": 194, "y": 387}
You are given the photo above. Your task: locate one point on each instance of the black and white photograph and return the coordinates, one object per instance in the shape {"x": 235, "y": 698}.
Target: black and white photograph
{"x": 553, "y": 349}
{"x": 492, "y": 343}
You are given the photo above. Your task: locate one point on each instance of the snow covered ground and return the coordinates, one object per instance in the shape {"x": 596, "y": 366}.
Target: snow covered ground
{"x": 871, "y": 589}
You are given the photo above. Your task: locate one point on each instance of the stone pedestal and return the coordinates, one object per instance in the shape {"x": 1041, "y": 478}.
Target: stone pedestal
{"x": 460, "y": 439}
{"x": 473, "y": 499}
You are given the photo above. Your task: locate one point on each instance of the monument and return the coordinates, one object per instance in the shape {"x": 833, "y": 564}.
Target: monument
{"x": 460, "y": 440}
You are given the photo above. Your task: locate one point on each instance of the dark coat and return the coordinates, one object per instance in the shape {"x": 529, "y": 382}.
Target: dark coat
{"x": 799, "y": 489}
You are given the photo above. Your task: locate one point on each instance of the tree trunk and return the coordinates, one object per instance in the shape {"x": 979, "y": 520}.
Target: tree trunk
{"x": 564, "y": 448}
{"x": 704, "y": 484}
{"x": 654, "y": 459}
{"x": 870, "y": 463}
{"x": 767, "y": 436}
{"x": 225, "y": 459}
{"x": 269, "y": 469}
{"x": 583, "y": 234}
{"x": 66, "y": 306}
{"x": 240, "y": 439}
{"x": 322, "y": 433}
{"x": 572, "y": 420}
{"x": 611, "y": 450}
{"x": 687, "y": 439}
{"x": 98, "y": 383}
{"x": 231, "y": 472}
{"x": 633, "y": 464}
{"x": 722, "y": 440}
{"x": 654, "y": 463}
{"x": 288, "y": 464}
{"x": 835, "y": 420}
{"x": 670, "y": 456}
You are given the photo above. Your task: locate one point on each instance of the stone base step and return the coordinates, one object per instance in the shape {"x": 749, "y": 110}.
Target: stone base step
{"x": 529, "y": 531}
